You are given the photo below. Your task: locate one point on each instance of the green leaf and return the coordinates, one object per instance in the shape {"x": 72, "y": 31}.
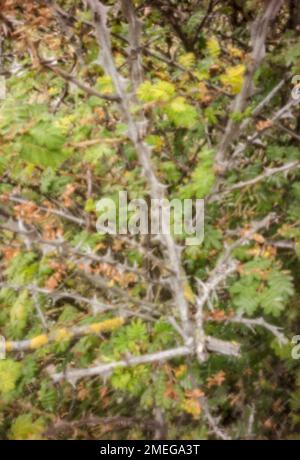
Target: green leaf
{"x": 47, "y": 136}
{"x": 19, "y": 313}
{"x": 202, "y": 179}
{"x": 10, "y": 372}
{"x": 47, "y": 396}
{"x": 251, "y": 292}
{"x": 22, "y": 268}
{"x": 292, "y": 54}
{"x": 280, "y": 288}
{"x": 43, "y": 145}
{"x": 181, "y": 113}
{"x": 24, "y": 428}
{"x": 42, "y": 156}
{"x": 98, "y": 152}
{"x": 161, "y": 91}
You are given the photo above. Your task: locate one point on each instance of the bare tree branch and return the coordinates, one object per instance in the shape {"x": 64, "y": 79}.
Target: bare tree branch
{"x": 73, "y": 375}
{"x": 268, "y": 172}
{"x": 213, "y": 345}
{"x": 251, "y": 139}
{"x": 136, "y": 132}
{"x": 259, "y": 32}
{"x": 61, "y": 334}
{"x": 70, "y": 78}
{"x": 249, "y": 322}
{"x": 264, "y": 102}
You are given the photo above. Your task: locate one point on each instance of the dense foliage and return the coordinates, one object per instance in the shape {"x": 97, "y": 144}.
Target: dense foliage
{"x": 135, "y": 337}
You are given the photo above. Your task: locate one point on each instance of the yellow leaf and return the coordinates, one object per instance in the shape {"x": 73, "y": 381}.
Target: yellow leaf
{"x": 180, "y": 370}
{"x": 188, "y": 293}
{"x": 213, "y": 47}
{"x": 187, "y": 60}
{"x": 233, "y": 78}
{"x": 235, "y": 52}
{"x": 192, "y": 407}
